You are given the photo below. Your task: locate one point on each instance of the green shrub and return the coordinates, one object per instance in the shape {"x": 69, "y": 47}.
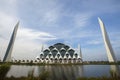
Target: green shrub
{"x": 4, "y": 68}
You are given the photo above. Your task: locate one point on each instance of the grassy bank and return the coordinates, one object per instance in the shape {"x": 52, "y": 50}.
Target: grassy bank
{"x": 4, "y": 68}
{"x": 83, "y": 63}
{"x": 84, "y": 78}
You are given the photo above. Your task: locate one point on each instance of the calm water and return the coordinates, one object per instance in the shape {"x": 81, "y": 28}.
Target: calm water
{"x": 63, "y": 71}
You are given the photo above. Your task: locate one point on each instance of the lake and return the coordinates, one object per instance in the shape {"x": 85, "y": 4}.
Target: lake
{"x": 68, "y": 72}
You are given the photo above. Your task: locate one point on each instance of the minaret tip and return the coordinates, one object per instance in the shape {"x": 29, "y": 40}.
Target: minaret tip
{"x": 18, "y": 22}
{"x": 42, "y": 47}
{"x": 99, "y": 19}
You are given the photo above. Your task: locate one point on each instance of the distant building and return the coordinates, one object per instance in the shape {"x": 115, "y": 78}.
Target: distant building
{"x": 60, "y": 53}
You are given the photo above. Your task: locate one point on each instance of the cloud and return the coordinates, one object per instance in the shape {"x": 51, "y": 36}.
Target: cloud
{"x": 8, "y": 7}
{"x": 101, "y": 6}
{"x": 115, "y": 41}
{"x": 7, "y": 23}
{"x": 32, "y": 40}
{"x": 30, "y": 34}
{"x": 94, "y": 42}
{"x": 45, "y": 22}
{"x": 41, "y": 14}
{"x": 82, "y": 20}
{"x": 50, "y": 18}
{"x": 28, "y": 41}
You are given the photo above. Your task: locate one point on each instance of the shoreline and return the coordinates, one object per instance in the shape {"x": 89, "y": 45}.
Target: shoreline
{"x": 79, "y": 78}
{"x": 83, "y": 63}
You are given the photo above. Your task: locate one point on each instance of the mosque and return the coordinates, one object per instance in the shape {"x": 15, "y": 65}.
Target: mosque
{"x": 60, "y": 53}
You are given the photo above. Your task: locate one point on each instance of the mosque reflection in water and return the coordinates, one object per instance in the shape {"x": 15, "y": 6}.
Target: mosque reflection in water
{"x": 65, "y": 72}
{"x": 61, "y": 72}
{"x": 71, "y": 72}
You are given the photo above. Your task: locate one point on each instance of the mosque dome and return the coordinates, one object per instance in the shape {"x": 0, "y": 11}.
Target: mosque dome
{"x": 59, "y": 48}
{"x": 59, "y": 51}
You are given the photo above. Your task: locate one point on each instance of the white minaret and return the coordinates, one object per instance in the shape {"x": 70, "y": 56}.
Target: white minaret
{"x": 7, "y": 57}
{"x": 79, "y": 51}
{"x": 42, "y": 48}
{"x": 108, "y": 46}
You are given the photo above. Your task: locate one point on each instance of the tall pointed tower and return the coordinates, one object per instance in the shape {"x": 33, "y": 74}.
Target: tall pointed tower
{"x": 42, "y": 48}
{"x": 8, "y": 53}
{"x": 79, "y": 51}
{"x": 108, "y": 46}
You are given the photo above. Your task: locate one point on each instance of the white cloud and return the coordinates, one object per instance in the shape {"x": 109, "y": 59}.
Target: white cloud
{"x": 29, "y": 43}
{"x": 8, "y": 7}
{"x": 115, "y": 41}
{"x": 7, "y": 22}
{"x": 30, "y": 34}
{"x": 49, "y": 16}
{"x": 101, "y": 6}
{"x": 82, "y": 20}
{"x": 94, "y": 42}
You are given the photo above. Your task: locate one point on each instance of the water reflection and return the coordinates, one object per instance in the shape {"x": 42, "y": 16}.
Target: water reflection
{"x": 19, "y": 70}
{"x": 62, "y": 72}
{"x": 114, "y": 70}
{"x": 65, "y": 72}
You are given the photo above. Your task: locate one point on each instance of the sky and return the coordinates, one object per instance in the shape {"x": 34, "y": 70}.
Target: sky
{"x": 46, "y": 22}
